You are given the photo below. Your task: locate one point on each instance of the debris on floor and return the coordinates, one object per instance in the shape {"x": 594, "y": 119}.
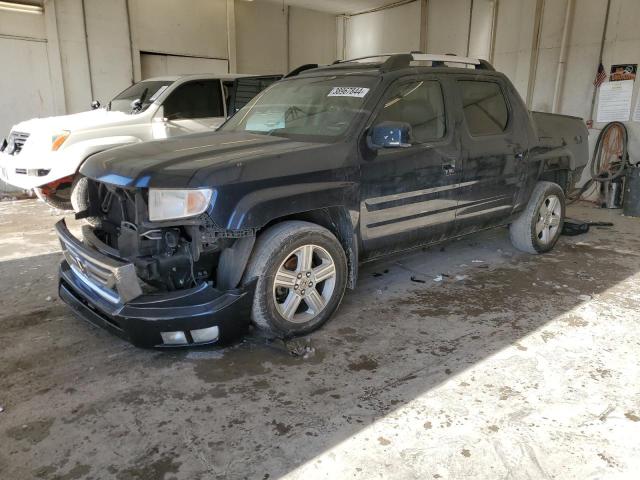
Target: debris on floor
{"x": 572, "y": 227}
{"x": 378, "y": 274}
{"x": 300, "y": 348}
{"x": 439, "y": 278}
{"x": 417, "y": 280}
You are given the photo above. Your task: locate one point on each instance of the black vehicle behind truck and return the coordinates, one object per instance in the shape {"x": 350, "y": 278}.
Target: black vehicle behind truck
{"x": 267, "y": 219}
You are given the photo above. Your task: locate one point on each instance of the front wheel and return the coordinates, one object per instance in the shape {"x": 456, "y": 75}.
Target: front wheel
{"x": 302, "y": 275}
{"x": 60, "y": 199}
{"x": 538, "y": 227}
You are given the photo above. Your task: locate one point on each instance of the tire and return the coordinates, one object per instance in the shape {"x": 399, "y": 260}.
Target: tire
{"x": 281, "y": 249}
{"x": 56, "y": 201}
{"x": 80, "y": 193}
{"x": 80, "y": 198}
{"x": 538, "y": 227}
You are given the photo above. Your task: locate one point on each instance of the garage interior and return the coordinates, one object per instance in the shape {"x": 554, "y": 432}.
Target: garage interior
{"x": 463, "y": 360}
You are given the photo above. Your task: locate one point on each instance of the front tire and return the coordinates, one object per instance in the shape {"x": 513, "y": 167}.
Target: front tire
{"x": 302, "y": 275}
{"x": 538, "y": 227}
{"x": 59, "y": 200}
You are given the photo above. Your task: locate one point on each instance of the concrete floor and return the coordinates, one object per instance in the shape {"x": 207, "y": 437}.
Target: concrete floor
{"x": 513, "y": 366}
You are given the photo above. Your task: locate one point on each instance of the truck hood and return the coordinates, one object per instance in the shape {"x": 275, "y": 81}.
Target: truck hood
{"x": 79, "y": 121}
{"x": 209, "y": 159}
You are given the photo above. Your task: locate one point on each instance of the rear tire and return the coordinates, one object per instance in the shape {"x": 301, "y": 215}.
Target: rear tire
{"x": 538, "y": 227}
{"x": 302, "y": 275}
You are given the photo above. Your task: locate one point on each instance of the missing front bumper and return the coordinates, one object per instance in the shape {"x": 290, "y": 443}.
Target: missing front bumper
{"x": 143, "y": 319}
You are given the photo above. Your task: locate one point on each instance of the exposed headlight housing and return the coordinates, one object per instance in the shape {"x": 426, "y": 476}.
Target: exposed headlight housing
{"x": 58, "y": 139}
{"x": 165, "y": 204}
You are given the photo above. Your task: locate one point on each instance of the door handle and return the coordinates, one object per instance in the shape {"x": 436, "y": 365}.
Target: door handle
{"x": 448, "y": 168}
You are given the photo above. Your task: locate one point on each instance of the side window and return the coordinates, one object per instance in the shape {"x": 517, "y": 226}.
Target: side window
{"x": 485, "y": 109}
{"x": 199, "y": 99}
{"x": 419, "y": 104}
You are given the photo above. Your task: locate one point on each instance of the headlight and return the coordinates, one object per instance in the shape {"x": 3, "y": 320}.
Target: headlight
{"x": 58, "y": 139}
{"x": 170, "y": 204}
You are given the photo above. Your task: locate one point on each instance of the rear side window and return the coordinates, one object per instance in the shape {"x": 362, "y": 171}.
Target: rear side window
{"x": 485, "y": 109}
{"x": 419, "y": 104}
{"x": 199, "y": 99}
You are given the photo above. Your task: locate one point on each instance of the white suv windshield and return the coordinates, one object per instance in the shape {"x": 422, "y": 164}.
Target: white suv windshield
{"x": 305, "y": 108}
{"x": 146, "y": 92}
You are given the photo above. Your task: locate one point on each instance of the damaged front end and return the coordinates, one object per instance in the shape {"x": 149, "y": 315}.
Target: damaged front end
{"x": 162, "y": 283}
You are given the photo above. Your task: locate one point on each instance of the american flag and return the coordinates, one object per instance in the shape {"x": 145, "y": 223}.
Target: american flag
{"x": 601, "y": 76}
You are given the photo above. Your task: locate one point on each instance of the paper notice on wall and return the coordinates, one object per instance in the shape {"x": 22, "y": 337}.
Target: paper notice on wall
{"x": 614, "y": 101}
{"x": 636, "y": 112}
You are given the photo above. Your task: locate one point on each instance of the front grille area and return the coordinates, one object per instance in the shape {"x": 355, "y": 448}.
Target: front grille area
{"x": 112, "y": 279}
{"x": 16, "y": 142}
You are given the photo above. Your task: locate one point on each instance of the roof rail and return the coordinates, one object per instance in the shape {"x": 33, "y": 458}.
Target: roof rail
{"x": 300, "y": 69}
{"x": 395, "y": 61}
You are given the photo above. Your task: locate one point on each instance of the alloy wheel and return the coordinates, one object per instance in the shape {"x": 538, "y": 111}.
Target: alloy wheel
{"x": 304, "y": 283}
{"x": 549, "y": 217}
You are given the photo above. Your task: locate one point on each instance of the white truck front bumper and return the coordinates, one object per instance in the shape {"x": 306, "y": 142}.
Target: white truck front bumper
{"x": 27, "y": 173}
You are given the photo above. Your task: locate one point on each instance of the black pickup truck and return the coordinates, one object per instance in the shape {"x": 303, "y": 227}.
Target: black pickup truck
{"x": 266, "y": 220}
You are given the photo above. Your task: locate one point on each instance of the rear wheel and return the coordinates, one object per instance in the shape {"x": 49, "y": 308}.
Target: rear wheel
{"x": 302, "y": 275}
{"x": 538, "y": 227}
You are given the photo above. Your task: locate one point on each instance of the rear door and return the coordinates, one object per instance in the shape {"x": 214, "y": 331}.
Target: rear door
{"x": 494, "y": 146}
{"x": 408, "y": 195}
{"x": 194, "y": 106}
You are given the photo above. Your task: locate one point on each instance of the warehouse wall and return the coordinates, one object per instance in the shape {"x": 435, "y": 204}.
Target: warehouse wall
{"x": 261, "y": 37}
{"x": 24, "y": 56}
{"x": 109, "y": 48}
{"x": 271, "y": 38}
{"x": 391, "y": 30}
{"x": 312, "y": 37}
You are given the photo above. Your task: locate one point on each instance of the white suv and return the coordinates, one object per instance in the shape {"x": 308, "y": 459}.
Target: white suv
{"x": 44, "y": 154}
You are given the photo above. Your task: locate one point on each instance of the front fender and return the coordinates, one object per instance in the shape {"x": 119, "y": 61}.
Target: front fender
{"x": 260, "y": 207}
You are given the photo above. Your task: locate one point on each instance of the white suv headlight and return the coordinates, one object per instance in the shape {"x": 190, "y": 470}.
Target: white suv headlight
{"x": 171, "y": 204}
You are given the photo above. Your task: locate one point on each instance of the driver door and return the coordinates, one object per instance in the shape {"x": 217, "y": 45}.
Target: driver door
{"x": 195, "y": 106}
{"x": 409, "y": 194}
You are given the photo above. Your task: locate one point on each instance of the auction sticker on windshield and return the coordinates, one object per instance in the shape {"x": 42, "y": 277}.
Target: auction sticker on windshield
{"x": 348, "y": 92}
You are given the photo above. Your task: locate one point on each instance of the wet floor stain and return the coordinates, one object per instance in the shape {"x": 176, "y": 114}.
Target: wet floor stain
{"x": 363, "y": 363}
{"x": 77, "y": 472}
{"x": 281, "y": 428}
{"x": 33, "y": 432}
{"x": 159, "y": 466}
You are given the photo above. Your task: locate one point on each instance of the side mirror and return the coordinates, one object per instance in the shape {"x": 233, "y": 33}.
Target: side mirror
{"x": 136, "y": 105}
{"x": 95, "y": 105}
{"x": 390, "y": 135}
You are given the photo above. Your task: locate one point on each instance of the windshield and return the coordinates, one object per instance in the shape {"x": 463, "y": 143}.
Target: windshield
{"x": 319, "y": 109}
{"x": 146, "y": 92}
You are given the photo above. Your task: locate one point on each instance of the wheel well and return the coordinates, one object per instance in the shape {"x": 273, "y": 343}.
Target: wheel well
{"x": 561, "y": 176}
{"x": 338, "y": 221}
